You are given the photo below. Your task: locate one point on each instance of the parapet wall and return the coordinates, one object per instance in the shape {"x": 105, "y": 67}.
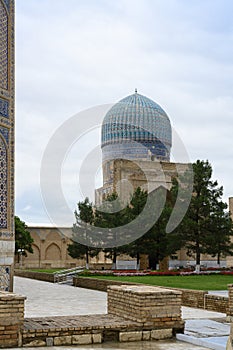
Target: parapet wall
{"x": 135, "y": 313}
{"x": 191, "y": 298}
{"x": 41, "y": 276}
{"x": 11, "y": 319}
{"x": 154, "y": 308}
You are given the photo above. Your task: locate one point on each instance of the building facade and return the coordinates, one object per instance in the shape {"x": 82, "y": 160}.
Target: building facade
{"x": 7, "y": 93}
{"x": 50, "y": 251}
{"x": 136, "y": 144}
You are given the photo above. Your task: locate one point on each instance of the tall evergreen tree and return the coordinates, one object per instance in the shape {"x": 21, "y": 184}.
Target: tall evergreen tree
{"x": 205, "y": 209}
{"x": 218, "y": 238}
{"x": 111, "y": 215}
{"x": 84, "y": 217}
{"x": 137, "y": 204}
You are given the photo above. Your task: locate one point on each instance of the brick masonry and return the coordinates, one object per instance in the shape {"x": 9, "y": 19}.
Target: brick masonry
{"x": 192, "y": 298}
{"x": 153, "y": 307}
{"x": 41, "y": 276}
{"x": 11, "y": 319}
{"x": 134, "y": 313}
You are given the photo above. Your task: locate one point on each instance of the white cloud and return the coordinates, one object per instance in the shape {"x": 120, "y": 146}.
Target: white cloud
{"x": 74, "y": 55}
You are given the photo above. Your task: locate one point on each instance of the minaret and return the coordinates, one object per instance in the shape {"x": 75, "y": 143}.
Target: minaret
{"x": 7, "y": 109}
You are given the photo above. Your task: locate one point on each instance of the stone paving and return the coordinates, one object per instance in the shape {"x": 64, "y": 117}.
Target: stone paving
{"x": 47, "y": 299}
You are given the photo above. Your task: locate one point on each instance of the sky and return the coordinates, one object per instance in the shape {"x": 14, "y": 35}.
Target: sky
{"x": 74, "y": 55}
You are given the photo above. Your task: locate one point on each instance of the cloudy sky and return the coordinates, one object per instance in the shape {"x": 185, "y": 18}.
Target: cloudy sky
{"x": 72, "y": 55}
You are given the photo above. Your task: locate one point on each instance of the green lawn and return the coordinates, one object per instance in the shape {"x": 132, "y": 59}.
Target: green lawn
{"x": 202, "y": 282}
{"x": 45, "y": 270}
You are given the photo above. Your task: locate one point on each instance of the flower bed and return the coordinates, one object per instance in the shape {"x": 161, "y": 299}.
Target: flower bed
{"x": 153, "y": 273}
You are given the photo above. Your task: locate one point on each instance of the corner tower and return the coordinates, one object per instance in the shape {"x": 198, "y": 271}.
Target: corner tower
{"x": 7, "y": 93}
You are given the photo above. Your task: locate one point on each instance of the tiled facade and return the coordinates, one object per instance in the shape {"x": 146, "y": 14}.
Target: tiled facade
{"x": 136, "y": 128}
{"x": 7, "y": 90}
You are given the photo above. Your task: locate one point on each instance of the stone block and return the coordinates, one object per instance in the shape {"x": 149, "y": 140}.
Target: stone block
{"x": 97, "y": 338}
{"x": 64, "y": 340}
{"x": 49, "y": 341}
{"x": 81, "y": 339}
{"x": 130, "y": 336}
{"x": 146, "y": 335}
{"x": 34, "y": 343}
{"x": 158, "y": 334}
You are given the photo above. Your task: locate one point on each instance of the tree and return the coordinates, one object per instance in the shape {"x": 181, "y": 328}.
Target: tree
{"x": 134, "y": 209}
{"x": 84, "y": 219}
{"x": 23, "y": 239}
{"x": 111, "y": 215}
{"x": 157, "y": 243}
{"x": 205, "y": 211}
{"x": 219, "y": 240}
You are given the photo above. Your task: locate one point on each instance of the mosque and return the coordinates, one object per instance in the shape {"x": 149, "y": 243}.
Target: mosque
{"x": 136, "y": 145}
{"x": 136, "y": 142}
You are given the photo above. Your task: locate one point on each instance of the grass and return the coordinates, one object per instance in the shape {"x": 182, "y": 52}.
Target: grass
{"x": 202, "y": 282}
{"x": 45, "y": 270}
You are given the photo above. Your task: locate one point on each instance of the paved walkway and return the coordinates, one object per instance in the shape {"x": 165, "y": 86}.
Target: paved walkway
{"x": 208, "y": 330}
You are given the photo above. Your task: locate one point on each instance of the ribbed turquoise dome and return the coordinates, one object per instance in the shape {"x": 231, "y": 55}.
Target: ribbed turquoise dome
{"x": 135, "y": 128}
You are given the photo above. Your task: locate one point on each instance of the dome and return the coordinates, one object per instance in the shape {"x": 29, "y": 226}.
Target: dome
{"x": 136, "y": 128}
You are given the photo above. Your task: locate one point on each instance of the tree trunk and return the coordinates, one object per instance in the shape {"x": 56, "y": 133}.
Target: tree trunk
{"x": 114, "y": 260}
{"x": 87, "y": 259}
{"x": 138, "y": 260}
{"x": 218, "y": 256}
{"x": 198, "y": 258}
{"x": 153, "y": 262}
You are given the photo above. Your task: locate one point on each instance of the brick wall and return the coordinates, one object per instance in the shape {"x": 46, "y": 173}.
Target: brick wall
{"x": 97, "y": 284}
{"x": 216, "y": 303}
{"x": 191, "y": 298}
{"x": 42, "y": 276}
{"x": 11, "y": 319}
{"x": 150, "y": 306}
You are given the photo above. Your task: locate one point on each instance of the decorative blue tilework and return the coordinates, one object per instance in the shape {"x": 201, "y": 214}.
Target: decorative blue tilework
{"x": 136, "y": 119}
{"x": 7, "y": 4}
{"x": 5, "y": 133}
{"x": 4, "y": 108}
{"x": 3, "y": 184}
{"x": 3, "y": 45}
{"x": 4, "y": 278}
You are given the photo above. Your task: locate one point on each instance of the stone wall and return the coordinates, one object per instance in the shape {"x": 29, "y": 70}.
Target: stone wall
{"x": 135, "y": 313}
{"x": 230, "y": 305}
{"x": 216, "y": 303}
{"x": 41, "y": 276}
{"x": 11, "y": 319}
{"x": 191, "y": 298}
{"x": 153, "y": 307}
{"x": 97, "y": 284}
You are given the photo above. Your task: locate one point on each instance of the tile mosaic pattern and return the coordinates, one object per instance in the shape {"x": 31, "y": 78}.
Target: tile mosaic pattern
{"x": 4, "y": 108}
{"x": 3, "y": 185}
{"x": 136, "y": 118}
{"x": 4, "y": 278}
{"x": 7, "y": 94}
{"x": 3, "y": 47}
{"x": 5, "y": 133}
{"x": 7, "y": 3}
